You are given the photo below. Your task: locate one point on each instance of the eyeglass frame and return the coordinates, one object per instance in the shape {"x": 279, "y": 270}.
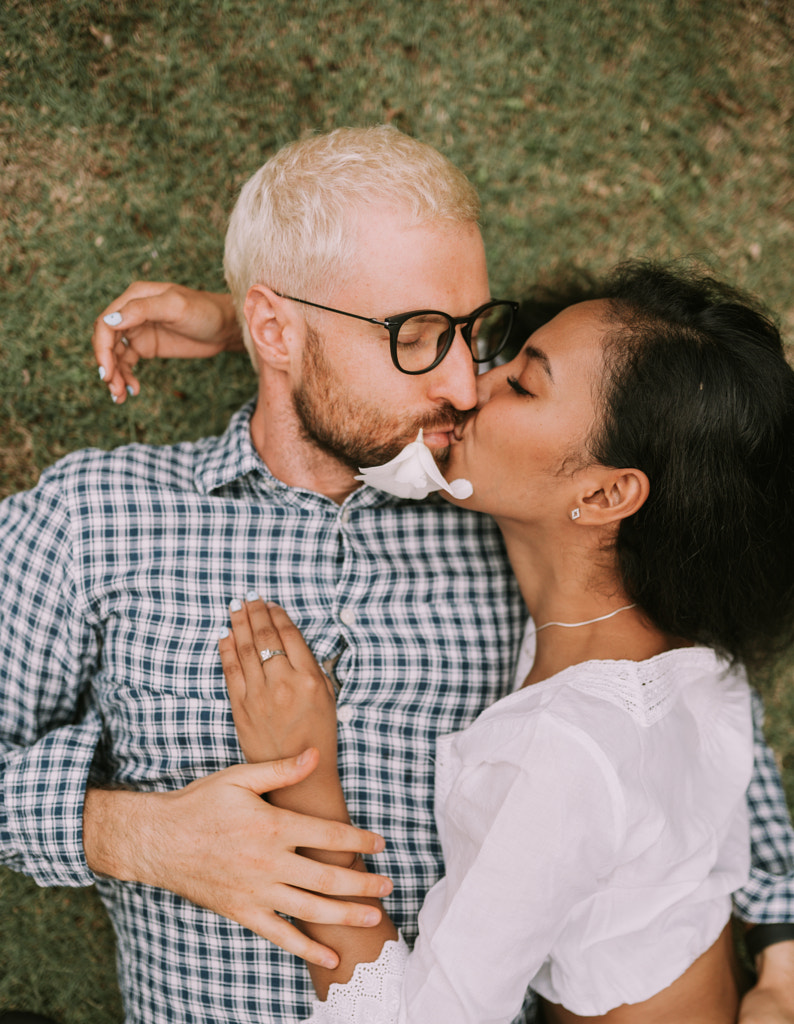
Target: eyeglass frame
{"x": 394, "y": 323}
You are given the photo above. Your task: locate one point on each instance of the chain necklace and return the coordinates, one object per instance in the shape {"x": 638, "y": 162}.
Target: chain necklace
{"x": 587, "y": 622}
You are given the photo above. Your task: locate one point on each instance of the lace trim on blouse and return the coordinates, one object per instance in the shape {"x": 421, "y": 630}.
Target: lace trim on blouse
{"x": 644, "y": 689}
{"x": 372, "y": 996}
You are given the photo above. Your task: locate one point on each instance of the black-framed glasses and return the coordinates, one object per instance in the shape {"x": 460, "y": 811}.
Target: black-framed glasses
{"x": 420, "y": 339}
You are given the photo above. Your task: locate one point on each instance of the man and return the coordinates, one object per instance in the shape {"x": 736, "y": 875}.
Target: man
{"x": 119, "y": 566}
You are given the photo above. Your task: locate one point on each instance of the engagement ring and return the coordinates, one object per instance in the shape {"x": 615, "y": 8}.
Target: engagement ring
{"x": 267, "y": 654}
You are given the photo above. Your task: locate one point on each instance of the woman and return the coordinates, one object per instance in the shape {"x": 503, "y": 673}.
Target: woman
{"x": 637, "y": 457}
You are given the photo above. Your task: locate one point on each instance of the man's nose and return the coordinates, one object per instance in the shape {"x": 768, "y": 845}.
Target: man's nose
{"x": 455, "y": 377}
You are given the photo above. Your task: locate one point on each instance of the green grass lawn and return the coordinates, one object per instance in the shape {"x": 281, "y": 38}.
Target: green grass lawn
{"x": 593, "y": 131}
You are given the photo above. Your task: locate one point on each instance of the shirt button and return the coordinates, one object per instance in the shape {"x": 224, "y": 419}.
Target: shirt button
{"x": 344, "y": 515}
{"x": 344, "y": 714}
{"x": 348, "y": 616}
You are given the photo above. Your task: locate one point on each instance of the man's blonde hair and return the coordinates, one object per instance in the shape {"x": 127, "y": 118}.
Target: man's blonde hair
{"x": 290, "y": 228}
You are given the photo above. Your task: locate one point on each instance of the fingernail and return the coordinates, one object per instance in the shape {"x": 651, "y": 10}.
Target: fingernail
{"x": 113, "y": 399}
{"x": 113, "y": 319}
{"x": 252, "y": 595}
{"x": 304, "y": 757}
{"x": 235, "y": 606}
{"x": 223, "y": 632}
{"x": 386, "y": 888}
{"x": 102, "y": 373}
{"x": 130, "y": 391}
{"x": 329, "y": 962}
{"x": 371, "y": 917}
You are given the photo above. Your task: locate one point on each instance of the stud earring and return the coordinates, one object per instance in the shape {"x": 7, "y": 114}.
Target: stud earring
{"x": 575, "y": 513}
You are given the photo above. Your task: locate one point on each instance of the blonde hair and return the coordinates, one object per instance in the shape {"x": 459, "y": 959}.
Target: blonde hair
{"x": 290, "y": 227}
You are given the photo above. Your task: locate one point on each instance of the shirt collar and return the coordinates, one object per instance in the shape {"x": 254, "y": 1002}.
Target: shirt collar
{"x": 233, "y": 455}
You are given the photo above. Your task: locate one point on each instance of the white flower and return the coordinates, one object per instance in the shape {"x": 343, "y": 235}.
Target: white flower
{"x": 413, "y": 474}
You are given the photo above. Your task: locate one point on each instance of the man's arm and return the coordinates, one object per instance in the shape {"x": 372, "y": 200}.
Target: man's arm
{"x": 768, "y": 897}
{"x": 155, "y": 319}
{"x": 771, "y": 1000}
{"x": 214, "y": 842}
{"x": 217, "y": 843}
{"x": 48, "y": 730}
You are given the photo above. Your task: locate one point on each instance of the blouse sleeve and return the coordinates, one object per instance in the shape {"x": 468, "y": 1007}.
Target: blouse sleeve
{"x": 521, "y": 848}
{"x": 372, "y": 996}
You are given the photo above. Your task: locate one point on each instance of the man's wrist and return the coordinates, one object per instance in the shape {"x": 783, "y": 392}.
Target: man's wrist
{"x": 760, "y": 937}
{"x": 110, "y": 818}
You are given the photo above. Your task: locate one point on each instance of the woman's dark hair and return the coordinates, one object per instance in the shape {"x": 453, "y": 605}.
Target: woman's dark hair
{"x": 699, "y": 396}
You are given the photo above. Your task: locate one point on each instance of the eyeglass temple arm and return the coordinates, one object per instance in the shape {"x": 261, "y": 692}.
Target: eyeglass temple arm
{"x": 330, "y": 309}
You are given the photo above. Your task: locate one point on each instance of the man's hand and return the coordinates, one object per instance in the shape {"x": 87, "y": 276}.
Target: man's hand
{"x": 218, "y": 844}
{"x": 156, "y": 319}
{"x": 771, "y": 1000}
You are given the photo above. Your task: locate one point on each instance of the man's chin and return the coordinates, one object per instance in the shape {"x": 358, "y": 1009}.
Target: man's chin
{"x": 441, "y": 455}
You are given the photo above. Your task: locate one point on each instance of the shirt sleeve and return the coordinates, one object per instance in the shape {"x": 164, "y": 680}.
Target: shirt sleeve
{"x": 518, "y": 857}
{"x": 48, "y": 653}
{"x": 768, "y": 896}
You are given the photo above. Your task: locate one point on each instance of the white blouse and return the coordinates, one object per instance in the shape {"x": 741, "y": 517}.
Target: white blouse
{"x": 594, "y": 826}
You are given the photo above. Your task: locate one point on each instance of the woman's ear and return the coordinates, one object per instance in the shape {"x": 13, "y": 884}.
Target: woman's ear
{"x": 270, "y": 325}
{"x": 613, "y": 495}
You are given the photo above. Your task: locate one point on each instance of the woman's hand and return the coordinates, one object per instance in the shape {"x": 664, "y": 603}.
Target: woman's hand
{"x": 282, "y": 705}
{"x": 156, "y": 319}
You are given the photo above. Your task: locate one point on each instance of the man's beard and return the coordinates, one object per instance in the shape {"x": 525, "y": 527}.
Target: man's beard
{"x": 354, "y": 434}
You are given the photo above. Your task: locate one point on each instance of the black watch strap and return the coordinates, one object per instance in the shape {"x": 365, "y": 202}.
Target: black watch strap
{"x": 759, "y": 936}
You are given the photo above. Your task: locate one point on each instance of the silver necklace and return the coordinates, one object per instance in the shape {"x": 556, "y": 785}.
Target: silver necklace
{"x": 587, "y": 622}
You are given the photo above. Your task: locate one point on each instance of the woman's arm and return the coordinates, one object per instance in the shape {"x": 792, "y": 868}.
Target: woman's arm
{"x": 156, "y": 319}
{"x": 286, "y": 703}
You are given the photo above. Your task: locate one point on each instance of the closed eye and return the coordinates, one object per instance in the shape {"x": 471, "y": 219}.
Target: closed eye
{"x": 518, "y": 388}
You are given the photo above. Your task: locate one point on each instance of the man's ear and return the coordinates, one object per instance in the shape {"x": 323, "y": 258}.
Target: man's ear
{"x": 612, "y": 495}
{"x": 273, "y": 330}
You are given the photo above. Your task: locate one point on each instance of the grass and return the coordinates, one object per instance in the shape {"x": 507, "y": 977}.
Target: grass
{"x": 593, "y": 131}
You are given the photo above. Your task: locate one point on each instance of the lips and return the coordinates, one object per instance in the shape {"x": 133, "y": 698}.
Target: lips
{"x": 438, "y": 438}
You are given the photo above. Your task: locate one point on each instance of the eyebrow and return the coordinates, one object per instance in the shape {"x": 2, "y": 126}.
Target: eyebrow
{"x": 540, "y": 356}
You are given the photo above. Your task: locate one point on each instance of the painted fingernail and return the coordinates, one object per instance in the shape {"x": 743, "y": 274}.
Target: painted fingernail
{"x": 113, "y": 319}
{"x": 102, "y": 373}
{"x": 130, "y": 391}
{"x": 125, "y": 341}
{"x": 223, "y": 632}
{"x": 113, "y": 399}
{"x": 235, "y": 606}
{"x": 252, "y": 595}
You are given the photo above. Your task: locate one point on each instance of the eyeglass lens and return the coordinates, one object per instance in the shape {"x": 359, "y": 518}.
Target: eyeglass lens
{"x": 422, "y": 338}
